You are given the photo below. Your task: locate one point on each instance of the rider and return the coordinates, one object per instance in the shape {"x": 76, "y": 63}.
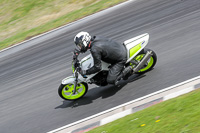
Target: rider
{"x": 106, "y": 50}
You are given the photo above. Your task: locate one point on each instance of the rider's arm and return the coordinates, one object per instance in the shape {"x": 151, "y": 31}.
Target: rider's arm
{"x": 96, "y": 54}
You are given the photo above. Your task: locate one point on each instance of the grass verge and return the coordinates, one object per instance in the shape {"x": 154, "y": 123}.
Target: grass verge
{"x": 23, "y": 19}
{"x": 178, "y": 115}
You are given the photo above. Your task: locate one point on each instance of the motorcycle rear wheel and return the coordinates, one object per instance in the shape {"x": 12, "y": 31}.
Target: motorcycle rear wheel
{"x": 66, "y": 91}
{"x": 150, "y": 63}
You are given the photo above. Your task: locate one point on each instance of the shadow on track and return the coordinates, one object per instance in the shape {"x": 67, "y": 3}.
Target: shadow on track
{"x": 95, "y": 93}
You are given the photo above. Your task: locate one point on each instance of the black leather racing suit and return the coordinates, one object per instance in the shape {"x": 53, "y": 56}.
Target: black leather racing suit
{"x": 108, "y": 51}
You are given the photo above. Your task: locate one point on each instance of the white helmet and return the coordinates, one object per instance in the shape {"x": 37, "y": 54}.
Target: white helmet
{"x": 82, "y": 41}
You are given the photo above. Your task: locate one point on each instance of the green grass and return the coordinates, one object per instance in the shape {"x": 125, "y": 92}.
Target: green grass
{"x": 178, "y": 115}
{"x": 23, "y": 19}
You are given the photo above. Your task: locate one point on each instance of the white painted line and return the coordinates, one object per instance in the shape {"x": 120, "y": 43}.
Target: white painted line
{"x": 125, "y": 104}
{"x": 157, "y": 92}
{"x": 115, "y": 117}
{"x": 178, "y": 93}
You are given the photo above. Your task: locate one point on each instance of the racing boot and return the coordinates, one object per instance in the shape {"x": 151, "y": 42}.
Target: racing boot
{"x": 127, "y": 72}
{"x": 124, "y": 74}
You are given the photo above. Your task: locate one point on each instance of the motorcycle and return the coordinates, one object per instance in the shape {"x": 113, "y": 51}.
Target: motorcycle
{"x": 141, "y": 60}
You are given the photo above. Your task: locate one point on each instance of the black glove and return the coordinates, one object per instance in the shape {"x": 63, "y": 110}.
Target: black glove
{"x": 82, "y": 72}
{"x": 75, "y": 60}
{"x": 76, "y": 53}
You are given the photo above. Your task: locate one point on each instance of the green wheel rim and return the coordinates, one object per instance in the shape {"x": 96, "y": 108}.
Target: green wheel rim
{"x": 149, "y": 62}
{"x": 67, "y": 91}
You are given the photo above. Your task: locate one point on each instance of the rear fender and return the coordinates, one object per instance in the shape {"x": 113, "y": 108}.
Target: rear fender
{"x": 135, "y": 45}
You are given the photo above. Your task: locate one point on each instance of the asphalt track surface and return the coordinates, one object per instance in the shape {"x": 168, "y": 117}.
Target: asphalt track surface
{"x": 31, "y": 73}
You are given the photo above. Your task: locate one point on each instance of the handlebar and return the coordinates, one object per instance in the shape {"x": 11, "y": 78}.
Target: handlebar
{"x": 76, "y": 63}
{"x": 75, "y": 58}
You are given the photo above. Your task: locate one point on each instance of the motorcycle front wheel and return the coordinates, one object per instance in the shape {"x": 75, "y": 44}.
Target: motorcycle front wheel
{"x": 66, "y": 91}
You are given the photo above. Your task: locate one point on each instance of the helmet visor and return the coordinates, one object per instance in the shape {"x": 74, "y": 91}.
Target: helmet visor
{"x": 79, "y": 46}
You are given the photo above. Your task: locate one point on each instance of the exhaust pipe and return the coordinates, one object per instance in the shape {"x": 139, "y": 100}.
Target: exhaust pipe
{"x": 143, "y": 61}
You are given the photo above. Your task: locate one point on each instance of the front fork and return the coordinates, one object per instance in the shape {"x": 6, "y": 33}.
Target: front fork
{"x": 75, "y": 82}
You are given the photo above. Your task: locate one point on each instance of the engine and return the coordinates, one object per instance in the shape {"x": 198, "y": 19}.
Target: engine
{"x": 100, "y": 79}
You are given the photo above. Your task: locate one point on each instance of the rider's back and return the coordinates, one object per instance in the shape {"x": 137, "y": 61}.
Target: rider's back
{"x": 108, "y": 50}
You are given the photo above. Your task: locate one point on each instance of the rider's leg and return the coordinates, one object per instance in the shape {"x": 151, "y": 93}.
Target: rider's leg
{"x": 115, "y": 71}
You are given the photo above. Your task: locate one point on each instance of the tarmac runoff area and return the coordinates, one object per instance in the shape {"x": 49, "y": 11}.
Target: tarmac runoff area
{"x": 120, "y": 111}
